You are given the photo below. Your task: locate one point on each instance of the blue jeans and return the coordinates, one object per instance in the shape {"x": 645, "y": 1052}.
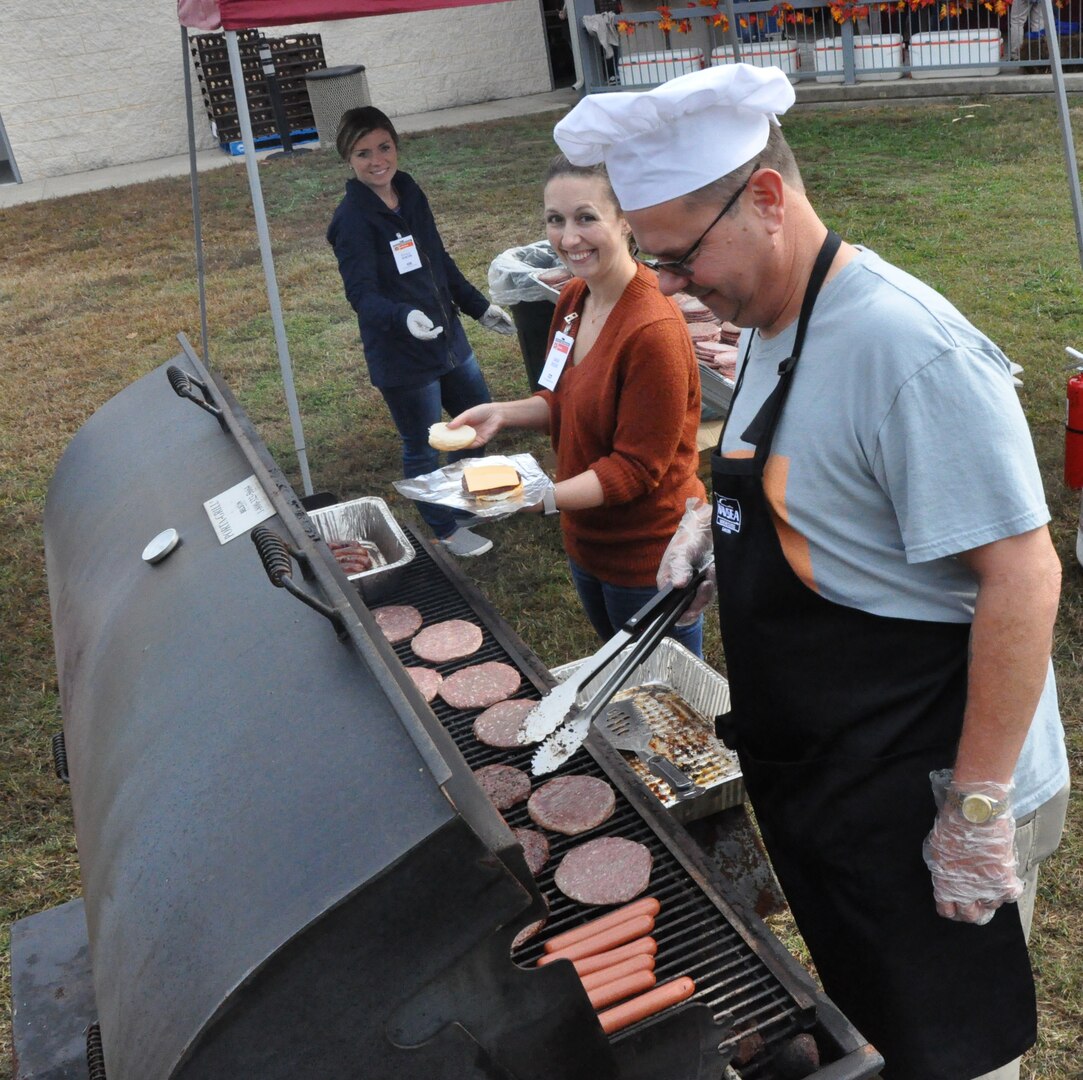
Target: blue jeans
{"x": 414, "y": 409}
{"x": 609, "y": 607}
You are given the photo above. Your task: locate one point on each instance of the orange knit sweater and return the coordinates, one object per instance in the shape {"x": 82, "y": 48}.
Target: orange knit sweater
{"x": 629, "y": 410}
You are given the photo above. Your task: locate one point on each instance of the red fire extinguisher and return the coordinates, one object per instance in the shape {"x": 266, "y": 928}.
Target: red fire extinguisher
{"x": 1073, "y": 425}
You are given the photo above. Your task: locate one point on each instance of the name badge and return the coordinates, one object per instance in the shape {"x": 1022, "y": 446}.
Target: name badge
{"x": 405, "y": 251}
{"x": 555, "y": 361}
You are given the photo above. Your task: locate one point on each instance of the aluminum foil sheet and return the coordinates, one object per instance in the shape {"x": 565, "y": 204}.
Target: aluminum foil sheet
{"x": 680, "y": 695}
{"x": 445, "y": 486}
{"x": 369, "y": 521}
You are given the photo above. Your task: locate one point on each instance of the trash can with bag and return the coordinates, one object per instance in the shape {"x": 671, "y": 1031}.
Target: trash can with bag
{"x": 513, "y": 282}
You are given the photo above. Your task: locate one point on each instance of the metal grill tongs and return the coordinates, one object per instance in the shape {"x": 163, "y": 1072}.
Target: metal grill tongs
{"x": 560, "y": 719}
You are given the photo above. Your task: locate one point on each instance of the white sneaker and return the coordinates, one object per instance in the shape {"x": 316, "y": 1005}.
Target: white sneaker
{"x": 465, "y": 544}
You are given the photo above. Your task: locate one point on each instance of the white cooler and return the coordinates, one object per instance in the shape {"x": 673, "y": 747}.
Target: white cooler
{"x": 780, "y": 54}
{"x": 982, "y": 49}
{"x": 873, "y": 53}
{"x": 655, "y": 67}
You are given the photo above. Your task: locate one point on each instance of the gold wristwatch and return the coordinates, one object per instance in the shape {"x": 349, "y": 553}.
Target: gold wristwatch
{"x": 975, "y": 808}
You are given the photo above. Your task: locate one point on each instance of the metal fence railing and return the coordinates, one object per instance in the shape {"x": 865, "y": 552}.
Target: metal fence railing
{"x": 843, "y": 42}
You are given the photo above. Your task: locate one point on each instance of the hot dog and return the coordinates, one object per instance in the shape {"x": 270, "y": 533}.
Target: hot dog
{"x": 619, "y": 989}
{"x": 589, "y": 964}
{"x": 642, "y": 962}
{"x": 623, "y": 932}
{"x": 647, "y": 905}
{"x": 653, "y": 1001}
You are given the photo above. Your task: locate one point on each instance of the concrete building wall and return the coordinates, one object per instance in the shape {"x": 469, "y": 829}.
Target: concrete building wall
{"x": 86, "y": 84}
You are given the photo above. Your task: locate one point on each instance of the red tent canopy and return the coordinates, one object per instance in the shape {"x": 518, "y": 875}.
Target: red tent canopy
{"x": 244, "y": 14}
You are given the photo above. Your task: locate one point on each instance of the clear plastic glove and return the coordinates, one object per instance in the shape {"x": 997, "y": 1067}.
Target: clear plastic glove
{"x": 690, "y": 547}
{"x": 420, "y": 325}
{"x": 972, "y": 865}
{"x": 496, "y": 318}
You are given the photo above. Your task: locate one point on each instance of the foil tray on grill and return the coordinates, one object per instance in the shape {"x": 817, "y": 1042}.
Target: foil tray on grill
{"x": 369, "y": 521}
{"x": 680, "y": 696}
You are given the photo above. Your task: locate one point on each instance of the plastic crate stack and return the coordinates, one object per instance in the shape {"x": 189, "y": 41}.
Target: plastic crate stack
{"x": 294, "y": 57}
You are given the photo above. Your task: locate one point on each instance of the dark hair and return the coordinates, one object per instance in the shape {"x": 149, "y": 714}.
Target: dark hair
{"x": 561, "y": 166}
{"x": 775, "y": 155}
{"x": 357, "y": 123}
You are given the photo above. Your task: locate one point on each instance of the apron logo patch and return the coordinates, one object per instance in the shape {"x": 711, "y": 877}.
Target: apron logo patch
{"x": 727, "y": 514}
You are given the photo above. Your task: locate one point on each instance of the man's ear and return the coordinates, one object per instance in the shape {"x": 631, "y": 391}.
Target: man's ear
{"x": 767, "y": 196}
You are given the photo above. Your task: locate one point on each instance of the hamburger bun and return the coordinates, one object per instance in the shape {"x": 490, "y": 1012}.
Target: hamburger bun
{"x": 500, "y": 496}
{"x": 441, "y": 437}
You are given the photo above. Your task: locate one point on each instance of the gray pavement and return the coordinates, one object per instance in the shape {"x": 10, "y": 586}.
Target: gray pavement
{"x": 900, "y": 92}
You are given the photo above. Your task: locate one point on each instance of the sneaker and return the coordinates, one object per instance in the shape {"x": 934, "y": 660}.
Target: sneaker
{"x": 464, "y": 519}
{"x": 465, "y": 544}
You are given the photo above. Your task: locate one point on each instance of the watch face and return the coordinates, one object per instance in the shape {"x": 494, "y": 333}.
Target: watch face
{"x": 977, "y": 808}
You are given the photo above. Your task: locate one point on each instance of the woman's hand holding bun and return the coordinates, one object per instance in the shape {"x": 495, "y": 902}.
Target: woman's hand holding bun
{"x": 484, "y": 419}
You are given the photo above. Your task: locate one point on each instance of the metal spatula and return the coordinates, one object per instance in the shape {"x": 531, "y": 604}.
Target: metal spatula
{"x": 627, "y": 728}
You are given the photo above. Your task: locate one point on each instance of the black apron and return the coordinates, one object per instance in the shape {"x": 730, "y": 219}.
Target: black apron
{"x": 838, "y": 718}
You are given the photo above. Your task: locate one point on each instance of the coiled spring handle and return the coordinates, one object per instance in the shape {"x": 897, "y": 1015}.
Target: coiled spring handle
{"x": 95, "y": 1057}
{"x": 277, "y": 558}
{"x": 60, "y": 758}
{"x": 182, "y": 384}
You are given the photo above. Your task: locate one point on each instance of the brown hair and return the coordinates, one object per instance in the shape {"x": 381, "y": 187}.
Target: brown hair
{"x": 561, "y": 166}
{"x": 357, "y": 123}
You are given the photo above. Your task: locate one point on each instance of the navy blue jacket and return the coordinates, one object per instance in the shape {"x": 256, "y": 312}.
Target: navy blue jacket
{"x": 361, "y": 232}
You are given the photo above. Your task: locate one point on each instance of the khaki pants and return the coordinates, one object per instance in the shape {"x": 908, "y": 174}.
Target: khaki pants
{"x": 1036, "y": 838}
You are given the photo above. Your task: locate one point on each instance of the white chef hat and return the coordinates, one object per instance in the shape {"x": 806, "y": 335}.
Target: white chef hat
{"x": 663, "y": 143}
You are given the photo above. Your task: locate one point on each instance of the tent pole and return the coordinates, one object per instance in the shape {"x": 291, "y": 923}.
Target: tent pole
{"x": 1052, "y": 40}
{"x": 197, "y": 220}
{"x": 251, "y": 165}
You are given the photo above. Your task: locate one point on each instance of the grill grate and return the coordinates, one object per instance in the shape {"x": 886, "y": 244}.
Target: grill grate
{"x": 694, "y": 937}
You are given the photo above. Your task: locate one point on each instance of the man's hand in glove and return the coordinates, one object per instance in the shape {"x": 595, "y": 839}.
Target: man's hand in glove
{"x": 690, "y": 548}
{"x": 420, "y": 325}
{"x": 972, "y": 863}
{"x": 496, "y": 318}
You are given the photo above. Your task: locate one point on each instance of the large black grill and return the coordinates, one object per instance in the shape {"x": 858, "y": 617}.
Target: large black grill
{"x": 289, "y": 871}
{"x": 698, "y": 932}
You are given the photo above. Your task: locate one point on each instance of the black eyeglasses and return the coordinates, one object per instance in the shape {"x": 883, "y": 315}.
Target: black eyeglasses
{"x": 682, "y": 267}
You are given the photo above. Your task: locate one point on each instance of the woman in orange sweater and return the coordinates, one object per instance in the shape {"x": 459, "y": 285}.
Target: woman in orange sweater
{"x": 623, "y": 411}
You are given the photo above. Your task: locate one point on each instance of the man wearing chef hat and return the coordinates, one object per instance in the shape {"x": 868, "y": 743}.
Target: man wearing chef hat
{"x": 887, "y": 585}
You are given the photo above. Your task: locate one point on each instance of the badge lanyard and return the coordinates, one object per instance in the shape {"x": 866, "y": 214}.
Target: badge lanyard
{"x": 559, "y": 352}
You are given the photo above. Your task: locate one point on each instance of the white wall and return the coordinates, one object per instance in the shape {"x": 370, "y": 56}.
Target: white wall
{"x": 85, "y": 84}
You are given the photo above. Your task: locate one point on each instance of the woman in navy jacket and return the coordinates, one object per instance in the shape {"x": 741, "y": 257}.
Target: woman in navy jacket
{"x": 407, "y": 292}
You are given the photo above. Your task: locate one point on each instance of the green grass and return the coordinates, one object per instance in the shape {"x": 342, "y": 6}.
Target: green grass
{"x": 94, "y": 288}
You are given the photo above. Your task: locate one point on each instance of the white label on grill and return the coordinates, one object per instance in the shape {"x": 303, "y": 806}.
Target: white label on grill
{"x": 238, "y": 509}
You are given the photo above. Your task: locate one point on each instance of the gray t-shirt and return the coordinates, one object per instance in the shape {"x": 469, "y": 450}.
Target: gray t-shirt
{"x": 902, "y": 444}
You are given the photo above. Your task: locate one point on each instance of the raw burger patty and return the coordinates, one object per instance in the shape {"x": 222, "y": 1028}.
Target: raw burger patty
{"x": 535, "y": 848}
{"x": 609, "y": 870}
{"x": 505, "y": 785}
{"x": 527, "y": 933}
{"x": 398, "y": 621}
{"x": 426, "y": 680}
{"x": 572, "y": 804}
{"x": 445, "y": 641}
{"x": 480, "y": 685}
{"x": 501, "y": 723}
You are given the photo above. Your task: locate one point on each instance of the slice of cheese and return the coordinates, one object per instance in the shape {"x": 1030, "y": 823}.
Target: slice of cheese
{"x": 489, "y": 479}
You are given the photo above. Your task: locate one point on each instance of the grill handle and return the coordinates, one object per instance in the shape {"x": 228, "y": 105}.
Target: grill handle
{"x": 277, "y": 558}
{"x": 182, "y": 384}
{"x": 60, "y": 758}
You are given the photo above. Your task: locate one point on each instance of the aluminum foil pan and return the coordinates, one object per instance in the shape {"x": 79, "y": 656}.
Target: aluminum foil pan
{"x": 716, "y": 392}
{"x": 680, "y": 695}
{"x": 369, "y": 521}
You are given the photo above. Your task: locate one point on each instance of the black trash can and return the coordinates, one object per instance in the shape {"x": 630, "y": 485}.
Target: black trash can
{"x": 532, "y": 320}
